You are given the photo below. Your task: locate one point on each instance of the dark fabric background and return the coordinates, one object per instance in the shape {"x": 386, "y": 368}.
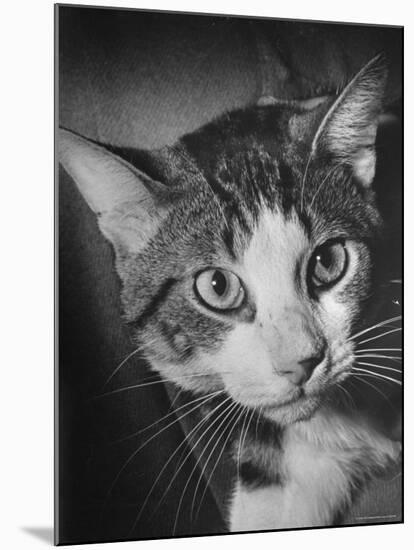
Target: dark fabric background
{"x": 142, "y": 79}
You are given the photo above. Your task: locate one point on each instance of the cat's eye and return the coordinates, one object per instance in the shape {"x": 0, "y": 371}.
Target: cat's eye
{"x": 328, "y": 264}
{"x": 219, "y": 289}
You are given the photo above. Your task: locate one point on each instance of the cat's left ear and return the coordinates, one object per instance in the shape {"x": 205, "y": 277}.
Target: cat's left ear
{"x": 129, "y": 205}
{"x": 348, "y": 131}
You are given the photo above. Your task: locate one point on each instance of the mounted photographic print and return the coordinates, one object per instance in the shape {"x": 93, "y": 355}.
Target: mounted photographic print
{"x": 229, "y": 194}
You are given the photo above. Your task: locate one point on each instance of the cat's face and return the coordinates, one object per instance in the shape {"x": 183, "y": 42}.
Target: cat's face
{"x": 266, "y": 315}
{"x": 248, "y": 268}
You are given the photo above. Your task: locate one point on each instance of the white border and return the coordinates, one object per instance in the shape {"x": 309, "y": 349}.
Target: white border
{"x": 26, "y": 230}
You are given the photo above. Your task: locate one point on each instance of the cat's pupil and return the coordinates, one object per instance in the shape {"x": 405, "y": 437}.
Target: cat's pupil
{"x": 325, "y": 258}
{"x": 219, "y": 283}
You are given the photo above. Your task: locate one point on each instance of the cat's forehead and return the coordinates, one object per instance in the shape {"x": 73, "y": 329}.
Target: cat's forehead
{"x": 277, "y": 245}
{"x": 249, "y": 178}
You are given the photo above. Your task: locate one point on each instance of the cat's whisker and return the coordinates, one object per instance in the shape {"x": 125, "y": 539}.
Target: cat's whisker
{"x": 230, "y": 410}
{"x": 329, "y": 174}
{"x": 348, "y": 396}
{"x": 203, "y": 471}
{"x": 133, "y": 455}
{"x": 198, "y": 461}
{"x": 243, "y": 438}
{"x": 145, "y": 384}
{"x": 376, "y": 349}
{"x": 379, "y": 366}
{"x": 177, "y": 396}
{"x": 219, "y": 458}
{"x": 355, "y": 386}
{"x": 168, "y": 415}
{"x": 240, "y": 443}
{"x": 380, "y": 335}
{"x": 190, "y": 453}
{"x": 372, "y": 327}
{"x": 377, "y": 356}
{"x": 257, "y": 420}
{"x": 127, "y": 358}
{"x": 361, "y": 379}
{"x": 236, "y": 417}
{"x": 206, "y": 462}
{"x": 377, "y": 375}
{"x": 185, "y": 441}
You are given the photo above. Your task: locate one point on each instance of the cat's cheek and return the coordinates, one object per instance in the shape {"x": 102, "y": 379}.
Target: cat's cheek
{"x": 197, "y": 376}
{"x": 335, "y": 317}
{"x": 245, "y": 366}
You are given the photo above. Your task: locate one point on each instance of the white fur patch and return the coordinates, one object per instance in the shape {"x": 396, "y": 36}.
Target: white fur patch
{"x": 253, "y": 352}
{"x": 320, "y": 459}
{"x": 271, "y": 258}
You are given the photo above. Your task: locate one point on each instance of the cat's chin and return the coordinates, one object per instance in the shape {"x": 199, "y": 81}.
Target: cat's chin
{"x": 301, "y": 409}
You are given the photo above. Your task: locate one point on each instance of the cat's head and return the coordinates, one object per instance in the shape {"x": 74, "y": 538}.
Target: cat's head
{"x": 246, "y": 251}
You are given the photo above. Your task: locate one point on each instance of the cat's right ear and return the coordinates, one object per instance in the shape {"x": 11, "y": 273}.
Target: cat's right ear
{"x": 126, "y": 201}
{"x": 348, "y": 131}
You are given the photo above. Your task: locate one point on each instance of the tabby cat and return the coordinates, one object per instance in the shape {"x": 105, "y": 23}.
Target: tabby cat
{"x": 247, "y": 257}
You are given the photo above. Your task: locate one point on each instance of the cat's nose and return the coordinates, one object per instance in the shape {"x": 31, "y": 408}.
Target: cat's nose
{"x": 299, "y": 372}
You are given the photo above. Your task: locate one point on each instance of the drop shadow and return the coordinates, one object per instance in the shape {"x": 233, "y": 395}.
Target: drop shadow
{"x": 44, "y": 534}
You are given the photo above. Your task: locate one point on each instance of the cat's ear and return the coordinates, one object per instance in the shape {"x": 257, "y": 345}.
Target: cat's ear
{"x": 348, "y": 131}
{"x": 126, "y": 201}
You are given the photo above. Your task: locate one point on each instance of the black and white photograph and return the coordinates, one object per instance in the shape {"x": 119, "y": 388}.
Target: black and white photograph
{"x": 228, "y": 274}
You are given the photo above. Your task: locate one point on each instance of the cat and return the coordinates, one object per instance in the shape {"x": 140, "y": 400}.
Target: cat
{"x": 247, "y": 256}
